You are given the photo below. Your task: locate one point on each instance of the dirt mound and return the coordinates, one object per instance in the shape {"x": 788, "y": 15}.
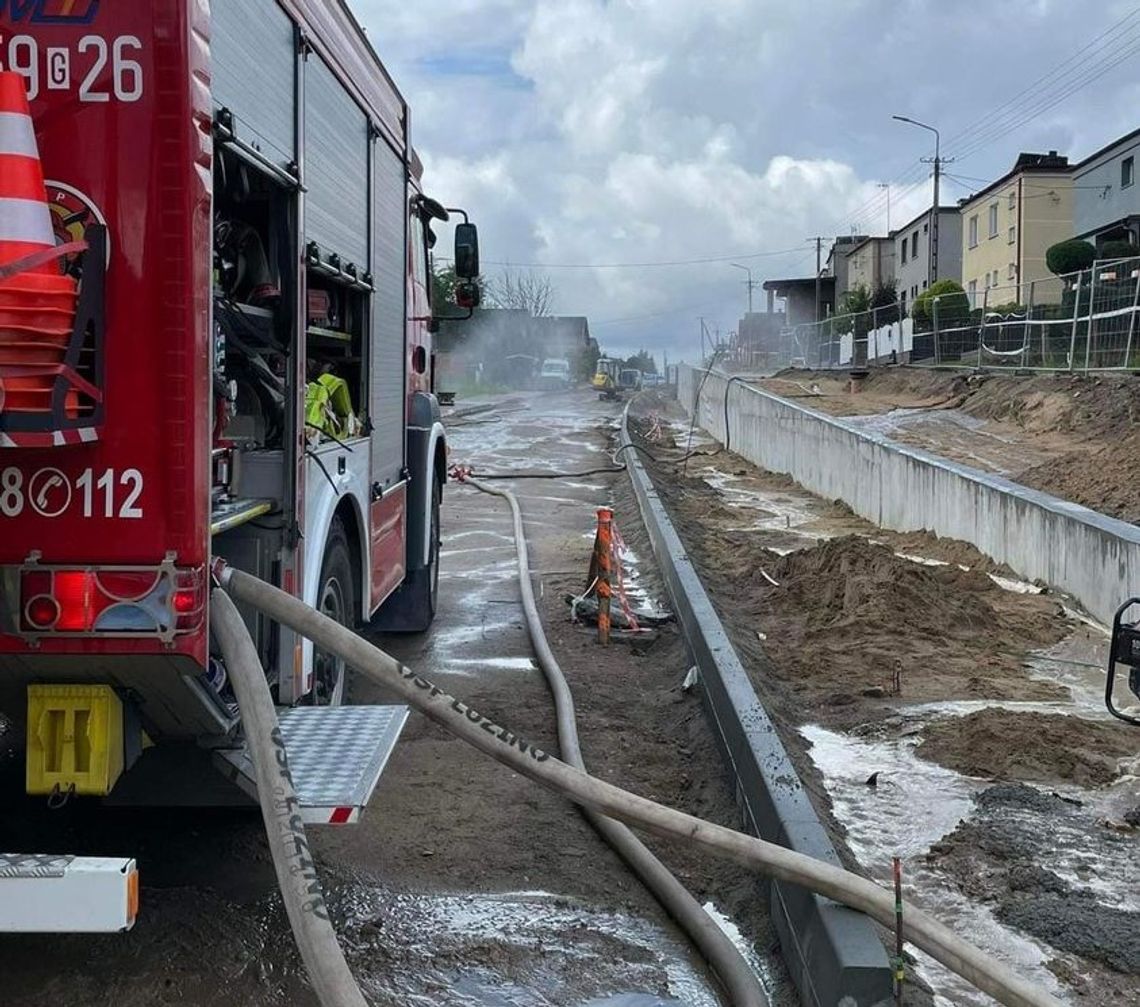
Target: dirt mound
{"x": 851, "y": 582}
{"x": 1097, "y": 406}
{"x": 1101, "y": 406}
{"x": 1047, "y": 748}
{"x": 1091, "y": 477}
{"x": 850, "y": 618}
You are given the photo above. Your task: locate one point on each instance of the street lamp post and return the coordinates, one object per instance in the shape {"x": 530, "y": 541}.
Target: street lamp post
{"x": 932, "y": 260}
{"x": 749, "y": 282}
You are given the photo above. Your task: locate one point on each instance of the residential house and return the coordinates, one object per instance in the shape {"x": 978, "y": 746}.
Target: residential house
{"x": 799, "y": 297}
{"x": 837, "y": 261}
{"x": 912, "y": 252}
{"x": 871, "y": 263}
{"x": 758, "y": 336}
{"x": 1106, "y": 198}
{"x": 1009, "y": 225}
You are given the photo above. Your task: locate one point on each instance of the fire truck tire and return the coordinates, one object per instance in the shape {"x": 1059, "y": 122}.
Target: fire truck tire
{"x": 336, "y": 598}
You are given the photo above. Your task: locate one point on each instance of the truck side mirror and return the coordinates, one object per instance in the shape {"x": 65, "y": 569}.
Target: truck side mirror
{"x": 466, "y": 251}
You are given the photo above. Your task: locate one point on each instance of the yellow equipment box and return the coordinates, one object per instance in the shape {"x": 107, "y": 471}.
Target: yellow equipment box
{"x": 75, "y": 739}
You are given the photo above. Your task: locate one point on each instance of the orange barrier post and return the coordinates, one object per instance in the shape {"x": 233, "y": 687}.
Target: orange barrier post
{"x": 603, "y": 552}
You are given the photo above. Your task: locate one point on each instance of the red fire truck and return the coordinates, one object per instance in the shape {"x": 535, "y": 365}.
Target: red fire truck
{"x": 248, "y": 375}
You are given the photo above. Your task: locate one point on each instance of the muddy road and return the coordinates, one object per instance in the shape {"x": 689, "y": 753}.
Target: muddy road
{"x": 464, "y": 884}
{"x": 937, "y": 708}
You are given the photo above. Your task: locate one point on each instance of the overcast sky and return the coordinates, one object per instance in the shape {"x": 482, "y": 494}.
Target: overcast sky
{"x": 593, "y": 132}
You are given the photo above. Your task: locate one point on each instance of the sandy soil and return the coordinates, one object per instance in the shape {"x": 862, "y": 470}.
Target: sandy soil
{"x": 1035, "y": 747}
{"x": 1061, "y": 434}
{"x": 845, "y": 625}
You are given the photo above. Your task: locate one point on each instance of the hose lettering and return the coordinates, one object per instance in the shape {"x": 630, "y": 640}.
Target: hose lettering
{"x": 293, "y": 836}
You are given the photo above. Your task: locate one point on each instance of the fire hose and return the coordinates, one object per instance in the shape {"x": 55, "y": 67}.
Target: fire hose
{"x": 301, "y": 889}
{"x": 723, "y": 956}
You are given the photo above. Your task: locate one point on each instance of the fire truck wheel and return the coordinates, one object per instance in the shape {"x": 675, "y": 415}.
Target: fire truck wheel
{"x": 336, "y": 598}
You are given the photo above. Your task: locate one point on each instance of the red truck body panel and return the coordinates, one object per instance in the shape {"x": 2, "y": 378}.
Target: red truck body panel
{"x": 121, "y": 107}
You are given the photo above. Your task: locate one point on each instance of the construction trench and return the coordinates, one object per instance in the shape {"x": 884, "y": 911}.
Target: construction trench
{"x": 495, "y": 961}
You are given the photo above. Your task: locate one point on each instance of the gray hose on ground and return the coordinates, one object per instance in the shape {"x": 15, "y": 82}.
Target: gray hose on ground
{"x": 941, "y": 943}
{"x": 723, "y": 956}
{"x": 296, "y": 873}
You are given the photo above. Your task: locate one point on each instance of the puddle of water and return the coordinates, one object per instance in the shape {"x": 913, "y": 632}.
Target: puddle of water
{"x": 915, "y": 804}
{"x": 768, "y": 979}
{"x": 775, "y": 510}
{"x": 921, "y": 560}
{"x": 471, "y": 665}
{"x": 533, "y": 949}
{"x": 446, "y": 637}
{"x": 1077, "y": 663}
{"x": 1016, "y": 586}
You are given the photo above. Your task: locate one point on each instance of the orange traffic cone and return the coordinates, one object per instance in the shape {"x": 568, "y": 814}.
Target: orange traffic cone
{"x": 37, "y": 302}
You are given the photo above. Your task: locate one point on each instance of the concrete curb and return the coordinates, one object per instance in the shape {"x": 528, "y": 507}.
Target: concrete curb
{"x": 833, "y": 953}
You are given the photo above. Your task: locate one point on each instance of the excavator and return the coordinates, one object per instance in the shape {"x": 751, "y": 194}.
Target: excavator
{"x": 606, "y": 378}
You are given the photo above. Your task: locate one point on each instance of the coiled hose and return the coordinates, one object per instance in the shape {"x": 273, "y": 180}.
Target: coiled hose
{"x": 941, "y": 943}
{"x": 725, "y": 959}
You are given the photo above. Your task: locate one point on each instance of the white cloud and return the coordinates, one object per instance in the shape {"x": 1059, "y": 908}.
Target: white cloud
{"x": 601, "y": 131}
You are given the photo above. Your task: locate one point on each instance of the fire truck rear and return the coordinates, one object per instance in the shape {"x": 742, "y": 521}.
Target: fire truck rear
{"x": 215, "y": 342}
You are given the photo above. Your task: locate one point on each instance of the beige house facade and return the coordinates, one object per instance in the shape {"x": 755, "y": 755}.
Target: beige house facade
{"x": 1008, "y": 227}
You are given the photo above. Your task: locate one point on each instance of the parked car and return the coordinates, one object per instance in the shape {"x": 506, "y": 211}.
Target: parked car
{"x": 555, "y": 374}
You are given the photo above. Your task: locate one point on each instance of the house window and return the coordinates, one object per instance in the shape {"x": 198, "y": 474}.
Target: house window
{"x": 993, "y": 220}
{"x": 914, "y": 245}
{"x": 1127, "y": 172}
{"x": 925, "y": 228}
{"x": 973, "y": 231}
{"x": 972, "y": 289}
{"x": 902, "y": 302}
{"x": 1012, "y": 199}
{"x": 923, "y": 284}
{"x": 1013, "y": 271}
{"x": 903, "y": 254}
{"x": 1012, "y": 234}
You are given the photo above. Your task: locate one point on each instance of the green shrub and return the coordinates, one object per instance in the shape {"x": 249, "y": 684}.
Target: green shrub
{"x": 1069, "y": 256}
{"x": 953, "y": 304}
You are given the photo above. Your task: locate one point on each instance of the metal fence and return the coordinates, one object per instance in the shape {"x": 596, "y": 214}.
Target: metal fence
{"x": 1078, "y": 322}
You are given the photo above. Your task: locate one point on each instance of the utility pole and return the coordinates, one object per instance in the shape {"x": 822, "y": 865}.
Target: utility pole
{"x": 887, "y": 186}
{"x": 932, "y": 258}
{"x": 818, "y": 239}
{"x": 748, "y": 283}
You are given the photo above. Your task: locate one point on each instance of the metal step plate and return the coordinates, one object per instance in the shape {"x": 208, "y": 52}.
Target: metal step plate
{"x": 336, "y": 756}
{"x": 43, "y": 893}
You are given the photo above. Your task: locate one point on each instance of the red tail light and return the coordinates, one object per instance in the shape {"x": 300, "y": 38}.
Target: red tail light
{"x": 139, "y": 601}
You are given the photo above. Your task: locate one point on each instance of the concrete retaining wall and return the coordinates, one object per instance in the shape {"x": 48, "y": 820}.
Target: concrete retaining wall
{"x": 833, "y": 953}
{"x": 1094, "y": 558}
